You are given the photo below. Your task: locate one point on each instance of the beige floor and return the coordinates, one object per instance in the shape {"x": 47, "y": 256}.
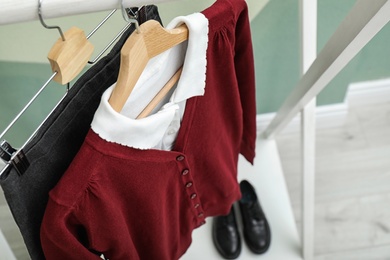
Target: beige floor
{"x": 352, "y": 209}
{"x": 352, "y": 186}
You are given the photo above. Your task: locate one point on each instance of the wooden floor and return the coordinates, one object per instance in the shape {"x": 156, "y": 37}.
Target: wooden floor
{"x": 352, "y": 220}
{"x": 352, "y": 209}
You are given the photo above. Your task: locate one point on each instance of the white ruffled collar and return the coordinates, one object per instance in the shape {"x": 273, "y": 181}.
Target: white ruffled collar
{"x": 146, "y": 133}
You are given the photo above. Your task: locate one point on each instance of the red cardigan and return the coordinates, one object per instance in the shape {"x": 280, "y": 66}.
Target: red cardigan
{"x": 129, "y": 203}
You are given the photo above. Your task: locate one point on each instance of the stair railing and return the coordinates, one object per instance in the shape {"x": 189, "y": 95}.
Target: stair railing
{"x": 364, "y": 21}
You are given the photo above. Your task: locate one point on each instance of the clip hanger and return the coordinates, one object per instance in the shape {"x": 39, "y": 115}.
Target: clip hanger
{"x": 17, "y": 155}
{"x": 44, "y": 24}
{"x": 51, "y": 27}
{"x": 69, "y": 54}
{"x": 17, "y": 158}
{"x": 130, "y": 18}
{"x": 112, "y": 41}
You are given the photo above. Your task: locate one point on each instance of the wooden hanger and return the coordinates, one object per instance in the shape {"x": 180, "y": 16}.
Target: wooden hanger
{"x": 68, "y": 57}
{"x": 151, "y": 40}
{"x": 161, "y": 94}
{"x": 70, "y": 53}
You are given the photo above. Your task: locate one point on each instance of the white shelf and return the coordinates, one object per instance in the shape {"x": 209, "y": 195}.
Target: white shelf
{"x": 5, "y": 250}
{"x": 267, "y": 177}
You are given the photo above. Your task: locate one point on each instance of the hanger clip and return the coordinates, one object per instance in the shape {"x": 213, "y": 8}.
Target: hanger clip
{"x": 20, "y": 162}
{"x": 17, "y": 158}
{"x": 6, "y": 151}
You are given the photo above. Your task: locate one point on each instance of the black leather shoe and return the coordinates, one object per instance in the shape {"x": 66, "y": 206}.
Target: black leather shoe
{"x": 225, "y": 235}
{"x": 256, "y": 229}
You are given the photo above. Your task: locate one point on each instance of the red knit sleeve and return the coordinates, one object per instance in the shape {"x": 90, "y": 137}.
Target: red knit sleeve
{"x": 244, "y": 65}
{"x": 60, "y": 235}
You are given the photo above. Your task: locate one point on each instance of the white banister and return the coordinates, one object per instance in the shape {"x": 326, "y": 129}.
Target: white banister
{"x": 308, "y": 127}
{"x": 308, "y": 35}
{"x": 362, "y": 23}
{"x": 308, "y": 144}
{"x": 14, "y": 11}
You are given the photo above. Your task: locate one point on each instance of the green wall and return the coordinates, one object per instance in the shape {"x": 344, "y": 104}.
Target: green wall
{"x": 276, "y": 45}
{"x": 371, "y": 63}
{"x": 18, "y": 84}
{"x": 30, "y": 41}
{"x": 275, "y": 42}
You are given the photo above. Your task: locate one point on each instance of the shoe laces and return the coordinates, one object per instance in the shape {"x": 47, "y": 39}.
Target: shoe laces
{"x": 226, "y": 220}
{"x": 255, "y": 211}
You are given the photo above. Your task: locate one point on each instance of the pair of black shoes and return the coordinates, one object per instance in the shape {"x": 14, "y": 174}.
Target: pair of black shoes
{"x": 257, "y": 233}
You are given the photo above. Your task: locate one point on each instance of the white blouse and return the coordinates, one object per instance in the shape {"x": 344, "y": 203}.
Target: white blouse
{"x": 159, "y": 130}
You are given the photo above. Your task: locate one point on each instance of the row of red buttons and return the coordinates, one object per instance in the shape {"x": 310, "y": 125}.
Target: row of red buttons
{"x": 188, "y": 185}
